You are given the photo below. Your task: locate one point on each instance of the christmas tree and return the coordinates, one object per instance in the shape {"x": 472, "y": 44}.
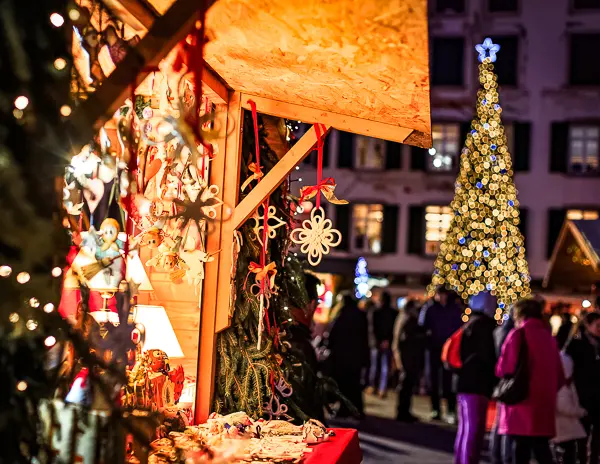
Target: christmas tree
{"x": 484, "y": 247}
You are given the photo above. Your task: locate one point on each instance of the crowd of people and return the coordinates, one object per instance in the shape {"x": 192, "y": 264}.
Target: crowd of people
{"x": 546, "y": 388}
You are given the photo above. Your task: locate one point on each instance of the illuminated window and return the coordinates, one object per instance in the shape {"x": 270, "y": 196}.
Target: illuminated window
{"x": 367, "y": 233}
{"x": 437, "y": 222}
{"x": 583, "y": 148}
{"x": 582, "y": 214}
{"x": 443, "y": 157}
{"x": 370, "y": 153}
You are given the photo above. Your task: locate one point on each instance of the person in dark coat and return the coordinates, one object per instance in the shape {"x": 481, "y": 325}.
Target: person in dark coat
{"x": 349, "y": 352}
{"x": 584, "y": 350}
{"x": 305, "y": 380}
{"x": 500, "y": 445}
{"x": 409, "y": 353}
{"x": 440, "y": 318}
{"x": 383, "y": 330}
{"x": 476, "y": 377}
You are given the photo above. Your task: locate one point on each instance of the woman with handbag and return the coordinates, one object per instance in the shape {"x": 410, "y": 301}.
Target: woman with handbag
{"x": 531, "y": 375}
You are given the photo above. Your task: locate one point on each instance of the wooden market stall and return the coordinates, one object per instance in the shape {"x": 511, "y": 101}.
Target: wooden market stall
{"x": 575, "y": 263}
{"x": 360, "y": 67}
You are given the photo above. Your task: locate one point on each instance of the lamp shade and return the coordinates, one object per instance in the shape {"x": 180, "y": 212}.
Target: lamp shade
{"x": 159, "y": 333}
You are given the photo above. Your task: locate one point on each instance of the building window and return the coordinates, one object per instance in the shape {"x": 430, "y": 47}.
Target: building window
{"x": 443, "y": 156}
{"x": 582, "y": 214}
{"x": 437, "y": 222}
{"x": 450, "y": 6}
{"x": 370, "y": 153}
{"x": 447, "y": 67}
{"x": 507, "y": 65}
{"x": 586, "y": 4}
{"x": 584, "y": 69}
{"x": 368, "y": 221}
{"x": 583, "y": 148}
{"x": 503, "y": 6}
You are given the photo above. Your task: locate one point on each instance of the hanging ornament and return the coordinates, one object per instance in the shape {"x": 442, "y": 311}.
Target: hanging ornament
{"x": 257, "y": 175}
{"x": 317, "y": 236}
{"x": 203, "y": 210}
{"x": 326, "y": 187}
{"x": 273, "y": 223}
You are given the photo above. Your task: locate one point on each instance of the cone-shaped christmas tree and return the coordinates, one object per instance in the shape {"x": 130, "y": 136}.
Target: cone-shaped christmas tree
{"x": 484, "y": 248}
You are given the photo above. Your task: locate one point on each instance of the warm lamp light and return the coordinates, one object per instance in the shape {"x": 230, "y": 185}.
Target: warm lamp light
{"x": 159, "y": 333}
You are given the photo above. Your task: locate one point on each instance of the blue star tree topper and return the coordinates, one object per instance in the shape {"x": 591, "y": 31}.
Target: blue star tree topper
{"x": 487, "y": 49}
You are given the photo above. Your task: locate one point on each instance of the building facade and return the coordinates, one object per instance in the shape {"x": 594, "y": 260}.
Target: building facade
{"x": 549, "y": 75}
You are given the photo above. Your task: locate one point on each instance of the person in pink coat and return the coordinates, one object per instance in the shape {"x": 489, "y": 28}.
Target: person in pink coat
{"x": 531, "y": 423}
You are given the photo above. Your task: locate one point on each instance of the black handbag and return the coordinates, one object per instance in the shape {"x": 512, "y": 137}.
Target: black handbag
{"x": 514, "y": 389}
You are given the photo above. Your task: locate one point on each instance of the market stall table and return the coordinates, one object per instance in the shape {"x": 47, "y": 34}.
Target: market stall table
{"x": 343, "y": 448}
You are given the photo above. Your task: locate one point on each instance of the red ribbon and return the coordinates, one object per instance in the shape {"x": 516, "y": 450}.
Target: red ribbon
{"x": 320, "y": 142}
{"x": 265, "y": 234}
{"x": 309, "y": 190}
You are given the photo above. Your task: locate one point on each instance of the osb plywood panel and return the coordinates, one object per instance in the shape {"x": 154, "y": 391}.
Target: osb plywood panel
{"x": 355, "y": 58}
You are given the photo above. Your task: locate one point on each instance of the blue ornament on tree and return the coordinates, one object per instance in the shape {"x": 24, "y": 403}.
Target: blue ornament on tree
{"x": 479, "y": 185}
{"x": 462, "y": 240}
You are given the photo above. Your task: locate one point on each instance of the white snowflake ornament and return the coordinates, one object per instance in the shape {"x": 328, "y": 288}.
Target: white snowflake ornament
{"x": 317, "y": 236}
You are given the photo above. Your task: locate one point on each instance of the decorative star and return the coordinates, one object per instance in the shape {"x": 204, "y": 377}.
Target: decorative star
{"x": 202, "y": 211}
{"x": 487, "y": 49}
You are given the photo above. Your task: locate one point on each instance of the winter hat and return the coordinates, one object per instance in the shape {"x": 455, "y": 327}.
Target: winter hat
{"x": 484, "y": 302}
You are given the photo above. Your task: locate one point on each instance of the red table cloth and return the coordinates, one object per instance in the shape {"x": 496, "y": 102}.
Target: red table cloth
{"x": 342, "y": 449}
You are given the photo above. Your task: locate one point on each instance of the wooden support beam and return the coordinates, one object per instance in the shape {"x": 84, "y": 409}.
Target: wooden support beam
{"x": 141, "y": 11}
{"x": 338, "y": 121}
{"x": 214, "y": 86}
{"x": 217, "y": 274}
{"x": 231, "y": 190}
{"x": 166, "y": 32}
{"x": 274, "y": 177}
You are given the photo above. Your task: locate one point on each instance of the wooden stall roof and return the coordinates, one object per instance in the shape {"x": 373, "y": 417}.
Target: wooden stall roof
{"x": 366, "y": 61}
{"x": 575, "y": 262}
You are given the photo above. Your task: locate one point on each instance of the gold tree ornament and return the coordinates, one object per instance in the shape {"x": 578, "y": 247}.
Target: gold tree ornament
{"x": 484, "y": 248}
{"x": 316, "y": 237}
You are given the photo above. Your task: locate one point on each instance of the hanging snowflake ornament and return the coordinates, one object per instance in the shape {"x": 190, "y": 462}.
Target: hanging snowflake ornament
{"x": 203, "y": 211}
{"x": 317, "y": 236}
{"x": 273, "y": 223}
{"x": 487, "y": 49}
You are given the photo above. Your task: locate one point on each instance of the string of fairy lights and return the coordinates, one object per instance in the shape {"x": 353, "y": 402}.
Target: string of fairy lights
{"x": 484, "y": 249}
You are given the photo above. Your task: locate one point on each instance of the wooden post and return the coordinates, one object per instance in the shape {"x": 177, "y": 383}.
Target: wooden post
{"x": 217, "y": 273}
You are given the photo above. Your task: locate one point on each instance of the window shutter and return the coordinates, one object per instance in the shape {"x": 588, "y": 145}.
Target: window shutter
{"x": 345, "y": 149}
{"x": 418, "y": 158}
{"x": 393, "y": 155}
{"x": 389, "y": 238}
{"x": 342, "y": 223}
{"x": 559, "y": 149}
{"x": 556, "y": 217}
{"x": 416, "y": 230}
{"x": 523, "y": 213}
{"x": 522, "y": 142}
